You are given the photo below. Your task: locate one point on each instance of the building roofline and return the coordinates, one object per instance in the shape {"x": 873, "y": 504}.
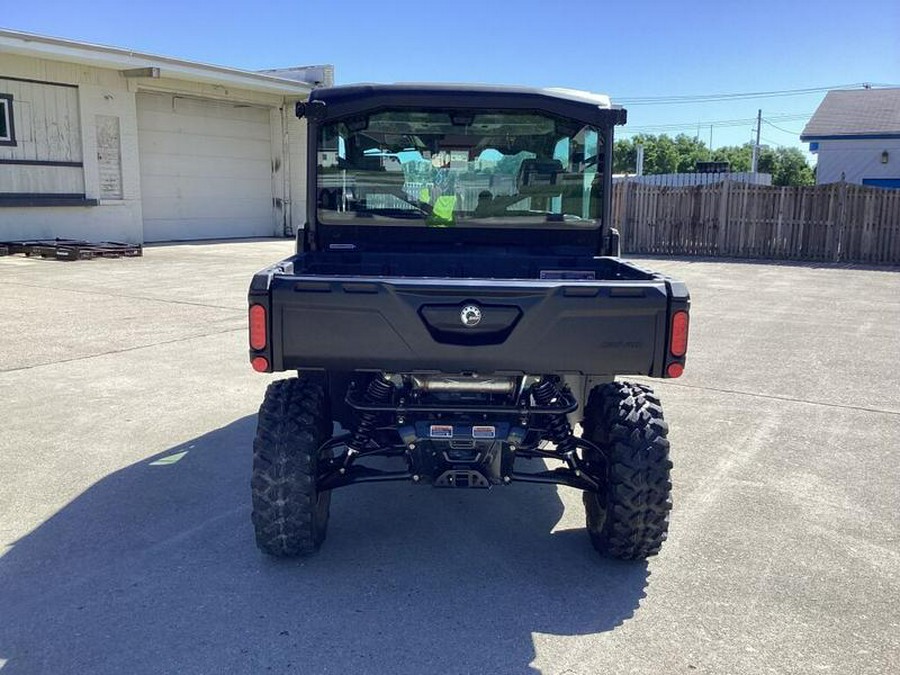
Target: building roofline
{"x": 117, "y": 58}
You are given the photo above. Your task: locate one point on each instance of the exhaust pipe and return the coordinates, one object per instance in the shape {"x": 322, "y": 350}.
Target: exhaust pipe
{"x": 486, "y": 385}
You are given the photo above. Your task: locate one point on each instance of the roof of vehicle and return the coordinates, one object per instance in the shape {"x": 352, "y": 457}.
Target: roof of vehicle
{"x": 351, "y": 99}
{"x": 600, "y": 100}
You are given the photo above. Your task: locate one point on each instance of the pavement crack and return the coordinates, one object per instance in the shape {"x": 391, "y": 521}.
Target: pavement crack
{"x": 123, "y": 295}
{"x": 121, "y": 351}
{"x": 775, "y": 397}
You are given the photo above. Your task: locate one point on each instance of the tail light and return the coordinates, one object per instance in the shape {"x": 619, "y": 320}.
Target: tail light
{"x": 678, "y": 336}
{"x": 675, "y": 369}
{"x": 258, "y": 336}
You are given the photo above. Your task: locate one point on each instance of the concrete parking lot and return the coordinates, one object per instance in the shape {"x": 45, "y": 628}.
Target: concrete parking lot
{"x": 127, "y": 417}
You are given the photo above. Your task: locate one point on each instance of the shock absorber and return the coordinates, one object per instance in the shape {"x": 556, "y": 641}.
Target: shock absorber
{"x": 378, "y": 391}
{"x": 545, "y": 393}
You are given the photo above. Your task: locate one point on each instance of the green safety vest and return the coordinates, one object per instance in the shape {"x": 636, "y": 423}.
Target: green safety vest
{"x": 442, "y": 213}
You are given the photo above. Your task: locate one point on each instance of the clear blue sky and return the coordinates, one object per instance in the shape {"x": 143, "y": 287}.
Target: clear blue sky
{"x": 626, "y": 49}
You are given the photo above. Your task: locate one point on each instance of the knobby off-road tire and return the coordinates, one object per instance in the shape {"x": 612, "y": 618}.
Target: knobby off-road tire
{"x": 289, "y": 515}
{"x": 628, "y": 519}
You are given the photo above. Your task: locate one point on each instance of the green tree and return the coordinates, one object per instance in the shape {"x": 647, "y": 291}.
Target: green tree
{"x": 790, "y": 168}
{"x": 663, "y": 154}
{"x": 739, "y": 157}
{"x": 690, "y": 150}
{"x": 624, "y": 156}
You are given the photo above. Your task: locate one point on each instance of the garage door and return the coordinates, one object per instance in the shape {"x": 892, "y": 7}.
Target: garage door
{"x": 205, "y": 168}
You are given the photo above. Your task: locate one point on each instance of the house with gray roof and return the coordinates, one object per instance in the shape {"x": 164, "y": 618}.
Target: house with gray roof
{"x": 856, "y": 136}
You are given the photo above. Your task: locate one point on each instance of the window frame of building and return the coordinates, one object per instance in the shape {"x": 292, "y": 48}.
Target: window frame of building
{"x": 6, "y": 113}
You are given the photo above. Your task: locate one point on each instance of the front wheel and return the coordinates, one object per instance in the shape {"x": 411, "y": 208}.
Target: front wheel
{"x": 290, "y": 515}
{"x": 629, "y": 517}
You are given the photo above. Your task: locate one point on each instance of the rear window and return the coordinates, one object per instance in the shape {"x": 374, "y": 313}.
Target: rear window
{"x": 460, "y": 169}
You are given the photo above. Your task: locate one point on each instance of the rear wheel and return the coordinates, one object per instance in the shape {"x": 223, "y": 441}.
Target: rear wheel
{"x": 628, "y": 518}
{"x": 290, "y": 515}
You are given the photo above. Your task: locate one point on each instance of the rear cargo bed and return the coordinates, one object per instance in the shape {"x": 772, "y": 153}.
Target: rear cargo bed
{"x": 485, "y": 264}
{"x": 373, "y": 321}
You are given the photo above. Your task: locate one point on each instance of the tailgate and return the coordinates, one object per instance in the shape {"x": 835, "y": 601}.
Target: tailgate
{"x": 453, "y": 326}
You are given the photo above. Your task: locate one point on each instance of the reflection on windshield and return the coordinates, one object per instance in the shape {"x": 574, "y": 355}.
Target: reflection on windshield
{"x": 445, "y": 169}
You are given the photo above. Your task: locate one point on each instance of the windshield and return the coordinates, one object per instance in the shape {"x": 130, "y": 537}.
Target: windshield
{"x": 459, "y": 169}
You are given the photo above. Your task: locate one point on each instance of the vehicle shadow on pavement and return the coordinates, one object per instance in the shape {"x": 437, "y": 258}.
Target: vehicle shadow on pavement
{"x": 154, "y": 569}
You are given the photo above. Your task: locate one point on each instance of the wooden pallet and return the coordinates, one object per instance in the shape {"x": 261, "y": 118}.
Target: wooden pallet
{"x": 70, "y": 249}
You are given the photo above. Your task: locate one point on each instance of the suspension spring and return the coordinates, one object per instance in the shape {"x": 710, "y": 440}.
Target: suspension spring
{"x": 546, "y": 393}
{"x": 378, "y": 391}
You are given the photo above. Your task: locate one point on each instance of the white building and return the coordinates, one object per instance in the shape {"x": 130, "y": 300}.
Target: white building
{"x": 107, "y": 144}
{"x": 856, "y": 135}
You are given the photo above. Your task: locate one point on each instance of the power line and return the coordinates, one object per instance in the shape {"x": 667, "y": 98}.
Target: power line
{"x": 679, "y": 126}
{"x": 735, "y": 96}
{"x": 727, "y": 122}
{"x": 787, "y": 131}
{"x": 695, "y": 98}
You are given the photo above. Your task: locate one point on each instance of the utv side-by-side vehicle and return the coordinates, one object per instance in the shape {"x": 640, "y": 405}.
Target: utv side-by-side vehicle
{"x": 457, "y": 309}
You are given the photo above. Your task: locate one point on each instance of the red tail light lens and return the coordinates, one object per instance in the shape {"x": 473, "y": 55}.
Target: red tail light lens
{"x": 674, "y": 370}
{"x": 679, "y": 335}
{"x": 257, "y": 327}
{"x": 260, "y": 364}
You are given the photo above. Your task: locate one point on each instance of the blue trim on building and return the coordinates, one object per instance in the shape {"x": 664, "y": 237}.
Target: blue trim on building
{"x": 882, "y": 182}
{"x": 850, "y": 137}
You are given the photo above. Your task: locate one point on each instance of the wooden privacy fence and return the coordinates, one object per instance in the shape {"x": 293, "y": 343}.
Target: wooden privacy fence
{"x": 839, "y": 222}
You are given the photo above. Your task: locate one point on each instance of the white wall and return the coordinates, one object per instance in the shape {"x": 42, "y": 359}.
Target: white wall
{"x": 207, "y": 168}
{"x": 48, "y": 126}
{"x": 69, "y": 127}
{"x": 63, "y": 123}
{"x": 111, "y": 222}
{"x": 857, "y": 159}
{"x": 47, "y": 129}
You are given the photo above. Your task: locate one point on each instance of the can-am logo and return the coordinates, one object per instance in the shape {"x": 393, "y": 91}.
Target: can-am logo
{"x": 470, "y": 315}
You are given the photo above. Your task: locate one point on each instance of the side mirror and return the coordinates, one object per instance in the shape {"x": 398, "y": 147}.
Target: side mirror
{"x": 314, "y": 111}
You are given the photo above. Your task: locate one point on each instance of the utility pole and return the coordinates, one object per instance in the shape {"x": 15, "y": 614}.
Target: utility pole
{"x": 639, "y": 161}
{"x": 710, "y": 141}
{"x": 756, "y": 145}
